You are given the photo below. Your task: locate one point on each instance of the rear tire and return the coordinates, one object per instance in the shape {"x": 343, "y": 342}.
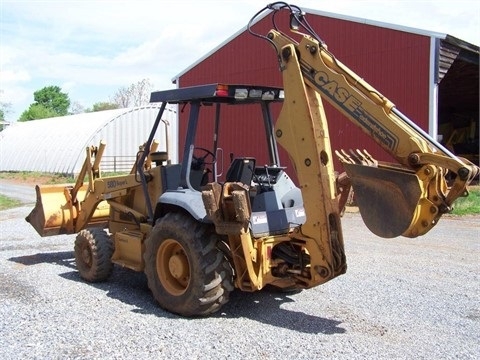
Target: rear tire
{"x": 93, "y": 253}
{"x": 186, "y": 272}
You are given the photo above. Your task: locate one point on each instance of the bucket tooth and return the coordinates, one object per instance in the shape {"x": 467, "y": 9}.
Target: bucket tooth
{"x": 369, "y": 158}
{"x": 340, "y": 156}
{"x": 364, "y": 158}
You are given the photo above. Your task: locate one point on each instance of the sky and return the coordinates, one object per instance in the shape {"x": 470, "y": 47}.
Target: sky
{"x": 92, "y": 48}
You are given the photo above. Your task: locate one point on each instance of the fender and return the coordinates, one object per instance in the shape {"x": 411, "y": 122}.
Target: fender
{"x": 187, "y": 199}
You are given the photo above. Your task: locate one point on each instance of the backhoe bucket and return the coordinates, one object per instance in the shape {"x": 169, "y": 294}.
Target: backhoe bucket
{"x": 53, "y": 214}
{"x": 386, "y": 197}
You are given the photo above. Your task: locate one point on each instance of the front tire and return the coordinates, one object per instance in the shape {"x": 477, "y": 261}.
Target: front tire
{"x": 93, "y": 254}
{"x": 186, "y": 272}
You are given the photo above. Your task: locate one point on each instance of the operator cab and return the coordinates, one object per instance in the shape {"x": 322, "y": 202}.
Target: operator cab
{"x": 275, "y": 201}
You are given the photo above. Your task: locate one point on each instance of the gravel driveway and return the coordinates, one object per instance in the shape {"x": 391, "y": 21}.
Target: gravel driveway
{"x": 400, "y": 299}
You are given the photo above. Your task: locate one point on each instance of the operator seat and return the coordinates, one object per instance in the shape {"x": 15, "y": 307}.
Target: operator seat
{"x": 241, "y": 170}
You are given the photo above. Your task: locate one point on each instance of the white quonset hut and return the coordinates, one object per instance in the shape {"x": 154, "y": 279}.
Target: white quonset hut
{"x": 58, "y": 145}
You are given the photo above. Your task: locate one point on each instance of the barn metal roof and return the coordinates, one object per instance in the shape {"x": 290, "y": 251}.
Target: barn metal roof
{"x": 58, "y": 145}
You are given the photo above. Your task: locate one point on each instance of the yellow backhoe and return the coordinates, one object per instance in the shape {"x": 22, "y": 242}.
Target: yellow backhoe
{"x": 198, "y": 238}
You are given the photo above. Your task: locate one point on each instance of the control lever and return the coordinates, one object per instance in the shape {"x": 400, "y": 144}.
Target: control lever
{"x": 257, "y": 179}
{"x": 268, "y": 176}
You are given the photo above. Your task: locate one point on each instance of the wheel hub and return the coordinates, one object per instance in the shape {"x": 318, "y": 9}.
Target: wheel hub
{"x": 173, "y": 268}
{"x": 178, "y": 266}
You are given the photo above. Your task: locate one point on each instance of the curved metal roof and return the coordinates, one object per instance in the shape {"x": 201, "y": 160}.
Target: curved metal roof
{"x": 57, "y": 145}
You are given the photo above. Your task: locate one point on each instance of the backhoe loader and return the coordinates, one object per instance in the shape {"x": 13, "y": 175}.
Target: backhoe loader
{"x": 198, "y": 236}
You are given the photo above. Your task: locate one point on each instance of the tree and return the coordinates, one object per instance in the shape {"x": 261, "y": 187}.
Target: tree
{"x": 100, "y": 106}
{"x": 77, "y": 108}
{"x": 3, "y": 111}
{"x": 5, "y": 108}
{"x": 49, "y": 102}
{"x": 52, "y": 98}
{"x": 37, "y": 111}
{"x": 135, "y": 95}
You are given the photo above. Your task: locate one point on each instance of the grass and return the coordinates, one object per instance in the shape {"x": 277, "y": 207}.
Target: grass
{"x": 469, "y": 205}
{"x": 8, "y": 203}
{"x": 31, "y": 177}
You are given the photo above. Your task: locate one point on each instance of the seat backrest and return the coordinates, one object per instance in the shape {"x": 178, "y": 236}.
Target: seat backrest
{"x": 241, "y": 170}
{"x": 171, "y": 176}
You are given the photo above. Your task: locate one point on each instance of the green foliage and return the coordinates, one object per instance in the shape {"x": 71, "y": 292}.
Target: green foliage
{"x": 7, "y": 203}
{"x": 100, "y": 106}
{"x": 468, "y": 205}
{"x": 49, "y": 102}
{"x": 36, "y": 177}
{"x": 37, "y": 111}
{"x": 60, "y": 179}
{"x": 5, "y": 108}
{"x": 53, "y": 98}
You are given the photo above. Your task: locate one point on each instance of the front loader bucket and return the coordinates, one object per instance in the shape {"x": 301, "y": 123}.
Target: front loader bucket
{"x": 386, "y": 197}
{"x": 53, "y": 214}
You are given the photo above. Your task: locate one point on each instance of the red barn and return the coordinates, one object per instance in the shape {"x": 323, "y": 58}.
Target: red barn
{"x": 432, "y": 78}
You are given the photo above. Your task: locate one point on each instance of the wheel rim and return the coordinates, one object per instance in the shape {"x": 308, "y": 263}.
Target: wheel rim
{"x": 173, "y": 268}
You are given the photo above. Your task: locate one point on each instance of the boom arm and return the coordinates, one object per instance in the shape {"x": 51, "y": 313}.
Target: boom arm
{"x": 406, "y": 199}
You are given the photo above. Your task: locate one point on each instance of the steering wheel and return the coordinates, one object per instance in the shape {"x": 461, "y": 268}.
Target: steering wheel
{"x": 200, "y": 160}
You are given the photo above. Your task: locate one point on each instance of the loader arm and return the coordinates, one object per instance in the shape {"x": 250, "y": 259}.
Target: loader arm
{"x": 66, "y": 209}
{"x": 394, "y": 199}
